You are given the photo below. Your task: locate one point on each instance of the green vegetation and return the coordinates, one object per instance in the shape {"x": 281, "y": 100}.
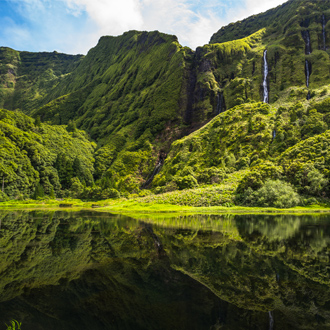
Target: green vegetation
{"x": 15, "y": 325}
{"x": 32, "y": 161}
{"x": 140, "y": 116}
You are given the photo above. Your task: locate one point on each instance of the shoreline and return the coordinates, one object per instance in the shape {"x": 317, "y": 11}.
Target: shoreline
{"x": 134, "y": 207}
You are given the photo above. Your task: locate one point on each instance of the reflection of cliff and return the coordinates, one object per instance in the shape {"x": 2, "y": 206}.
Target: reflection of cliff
{"x": 112, "y": 272}
{"x": 276, "y": 262}
{"x": 118, "y": 279}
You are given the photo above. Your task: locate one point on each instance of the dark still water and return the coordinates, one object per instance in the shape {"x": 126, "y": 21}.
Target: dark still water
{"x": 88, "y": 270}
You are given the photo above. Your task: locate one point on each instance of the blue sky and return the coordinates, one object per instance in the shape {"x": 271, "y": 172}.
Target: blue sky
{"x": 74, "y": 26}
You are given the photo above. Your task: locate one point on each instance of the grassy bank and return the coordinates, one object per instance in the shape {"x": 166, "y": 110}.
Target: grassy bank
{"x": 138, "y": 206}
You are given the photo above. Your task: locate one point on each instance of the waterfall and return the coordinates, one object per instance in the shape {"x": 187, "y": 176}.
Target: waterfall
{"x": 274, "y": 134}
{"x": 271, "y": 321}
{"x": 154, "y": 173}
{"x": 307, "y": 39}
{"x": 323, "y": 32}
{"x": 307, "y": 73}
{"x": 221, "y": 105}
{"x": 266, "y": 98}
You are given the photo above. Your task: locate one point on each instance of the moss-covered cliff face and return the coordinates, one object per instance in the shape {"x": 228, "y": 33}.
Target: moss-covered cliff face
{"x": 138, "y": 93}
{"x": 28, "y": 79}
{"x": 295, "y": 36}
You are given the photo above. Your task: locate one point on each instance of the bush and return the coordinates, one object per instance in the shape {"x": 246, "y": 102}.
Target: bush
{"x": 3, "y": 197}
{"x": 110, "y": 193}
{"x": 306, "y": 178}
{"x": 186, "y": 182}
{"x": 256, "y": 178}
{"x": 276, "y": 193}
{"x": 212, "y": 175}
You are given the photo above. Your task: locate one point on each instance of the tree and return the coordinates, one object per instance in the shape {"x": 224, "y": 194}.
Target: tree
{"x": 37, "y": 121}
{"x": 274, "y": 193}
{"x": 39, "y": 192}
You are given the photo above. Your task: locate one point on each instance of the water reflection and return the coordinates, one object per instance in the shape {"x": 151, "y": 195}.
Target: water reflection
{"x": 88, "y": 270}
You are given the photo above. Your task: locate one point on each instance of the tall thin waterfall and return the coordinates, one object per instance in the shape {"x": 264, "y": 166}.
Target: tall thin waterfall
{"x": 221, "y": 105}
{"x": 266, "y": 96}
{"x": 307, "y": 39}
{"x": 307, "y": 73}
{"x": 323, "y": 32}
{"x": 271, "y": 321}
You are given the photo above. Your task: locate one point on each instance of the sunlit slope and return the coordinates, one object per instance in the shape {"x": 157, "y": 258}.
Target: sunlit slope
{"x": 27, "y": 80}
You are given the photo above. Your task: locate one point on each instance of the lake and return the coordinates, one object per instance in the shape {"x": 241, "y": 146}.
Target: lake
{"x": 92, "y": 270}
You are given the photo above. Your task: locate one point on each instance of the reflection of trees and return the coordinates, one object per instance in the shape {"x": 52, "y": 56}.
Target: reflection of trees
{"x": 253, "y": 262}
{"x": 279, "y": 227}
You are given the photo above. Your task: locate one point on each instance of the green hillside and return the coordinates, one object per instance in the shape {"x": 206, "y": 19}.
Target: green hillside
{"x": 40, "y": 158}
{"x": 165, "y": 117}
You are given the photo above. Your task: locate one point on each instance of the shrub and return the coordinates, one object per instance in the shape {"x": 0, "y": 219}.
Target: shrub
{"x": 3, "y": 197}
{"x": 306, "y": 178}
{"x": 186, "y": 182}
{"x": 256, "y": 178}
{"x": 274, "y": 193}
{"x": 77, "y": 187}
{"x": 212, "y": 175}
{"x": 110, "y": 193}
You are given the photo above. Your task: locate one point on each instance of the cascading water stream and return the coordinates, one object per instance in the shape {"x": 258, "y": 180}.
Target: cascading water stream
{"x": 323, "y": 32}
{"x": 154, "y": 173}
{"x": 265, "y": 86}
{"x": 307, "y": 73}
{"x": 221, "y": 106}
{"x": 307, "y": 39}
{"x": 271, "y": 321}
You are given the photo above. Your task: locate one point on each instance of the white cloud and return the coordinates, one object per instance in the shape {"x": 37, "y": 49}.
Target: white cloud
{"x": 177, "y": 17}
{"x": 74, "y": 26}
{"x": 192, "y": 21}
{"x": 112, "y": 16}
{"x": 253, "y": 7}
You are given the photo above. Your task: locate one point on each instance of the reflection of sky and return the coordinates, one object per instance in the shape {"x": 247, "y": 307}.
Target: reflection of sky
{"x": 74, "y": 26}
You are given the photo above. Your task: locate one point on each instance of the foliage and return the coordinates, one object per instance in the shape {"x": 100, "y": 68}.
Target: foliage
{"x": 15, "y": 325}
{"x": 137, "y": 94}
{"x": 3, "y": 197}
{"x": 274, "y": 193}
{"x": 35, "y": 159}
{"x": 257, "y": 176}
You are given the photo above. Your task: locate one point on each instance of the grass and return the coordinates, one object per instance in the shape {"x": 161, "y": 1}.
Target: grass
{"x": 138, "y": 207}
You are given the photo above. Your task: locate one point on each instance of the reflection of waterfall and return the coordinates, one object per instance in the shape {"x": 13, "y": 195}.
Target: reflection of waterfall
{"x": 154, "y": 173}
{"x": 323, "y": 32}
{"x": 266, "y": 98}
{"x": 271, "y": 321}
{"x": 307, "y": 39}
{"x": 221, "y": 105}
{"x": 157, "y": 242}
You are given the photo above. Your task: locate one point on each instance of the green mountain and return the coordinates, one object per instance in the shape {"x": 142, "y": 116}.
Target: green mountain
{"x": 147, "y": 103}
